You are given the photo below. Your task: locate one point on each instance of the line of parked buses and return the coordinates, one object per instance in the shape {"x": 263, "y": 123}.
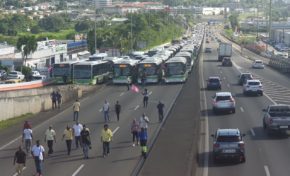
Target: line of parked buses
{"x": 168, "y": 64}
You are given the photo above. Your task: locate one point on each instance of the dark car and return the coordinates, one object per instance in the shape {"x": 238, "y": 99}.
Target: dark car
{"x": 229, "y": 144}
{"x": 207, "y": 50}
{"x": 244, "y": 77}
{"x": 227, "y": 61}
{"x": 213, "y": 83}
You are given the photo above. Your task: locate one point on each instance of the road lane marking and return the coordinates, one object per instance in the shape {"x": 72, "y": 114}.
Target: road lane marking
{"x": 136, "y": 107}
{"x": 100, "y": 110}
{"x": 242, "y": 109}
{"x": 253, "y": 132}
{"x": 78, "y": 170}
{"x": 17, "y": 173}
{"x": 150, "y": 93}
{"x": 115, "y": 130}
{"x": 9, "y": 143}
{"x": 274, "y": 102}
{"x": 267, "y": 170}
{"x": 122, "y": 94}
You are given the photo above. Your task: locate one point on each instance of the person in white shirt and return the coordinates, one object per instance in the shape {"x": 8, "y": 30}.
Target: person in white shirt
{"x": 77, "y": 128}
{"x": 37, "y": 153}
{"x": 106, "y": 109}
{"x": 27, "y": 139}
{"x": 49, "y": 138}
{"x": 143, "y": 121}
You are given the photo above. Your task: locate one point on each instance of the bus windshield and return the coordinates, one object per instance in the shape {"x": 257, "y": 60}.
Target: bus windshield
{"x": 82, "y": 72}
{"x": 149, "y": 69}
{"x": 61, "y": 69}
{"x": 175, "y": 69}
{"x": 121, "y": 70}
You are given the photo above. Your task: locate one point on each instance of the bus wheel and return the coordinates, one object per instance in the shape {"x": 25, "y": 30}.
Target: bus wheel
{"x": 97, "y": 82}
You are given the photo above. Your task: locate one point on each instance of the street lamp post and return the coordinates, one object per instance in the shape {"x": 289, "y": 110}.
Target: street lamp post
{"x": 270, "y": 23}
{"x": 95, "y": 26}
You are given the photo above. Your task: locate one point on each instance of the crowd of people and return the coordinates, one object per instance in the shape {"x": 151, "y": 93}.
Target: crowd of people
{"x": 80, "y": 134}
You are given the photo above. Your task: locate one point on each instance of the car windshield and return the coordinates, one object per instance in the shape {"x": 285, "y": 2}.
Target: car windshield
{"x": 223, "y": 98}
{"x": 214, "y": 80}
{"x": 246, "y": 76}
{"x": 259, "y": 62}
{"x": 228, "y": 139}
{"x": 280, "y": 111}
{"x": 253, "y": 83}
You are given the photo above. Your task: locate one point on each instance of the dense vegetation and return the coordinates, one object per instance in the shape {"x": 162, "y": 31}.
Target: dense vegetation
{"x": 149, "y": 29}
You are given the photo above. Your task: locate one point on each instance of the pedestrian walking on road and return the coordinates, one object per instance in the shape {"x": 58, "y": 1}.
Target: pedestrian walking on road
{"x": 27, "y": 139}
{"x": 26, "y": 125}
{"x": 86, "y": 141}
{"x": 68, "y": 137}
{"x": 76, "y": 109}
{"x": 19, "y": 160}
{"x": 145, "y": 98}
{"x": 118, "y": 110}
{"x": 106, "y": 138}
{"x": 59, "y": 99}
{"x": 160, "y": 108}
{"x": 106, "y": 109}
{"x": 53, "y": 99}
{"x": 77, "y": 128}
{"x": 143, "y": 121}
{"x": 135, "y": 129}
{"x": 37, "y": 152}
{"x": 50, "y": 138}
{"x": 128, "y": 83}
{"x": 143, "y": 142}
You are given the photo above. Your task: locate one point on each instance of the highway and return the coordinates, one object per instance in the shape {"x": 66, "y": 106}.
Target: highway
{"x": 123, "y": 157}
{"x": 265, "y": 155}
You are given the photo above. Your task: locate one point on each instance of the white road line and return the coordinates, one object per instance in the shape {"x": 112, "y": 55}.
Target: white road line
{"x": 253, "y": 132}
{"x": 274, "y": 102}
{"x": 150, "y": 93}
{"x": 115, "y": 130}
{"x": 17, "y": 173}
{"x": 122, "y": 94}
{"x": 267, "y": 170}
{"x": 100, "y": 110}
{"x": 9, "y": 143}
{"x": 78, "y": 170}
{"x": 242, "y": 109}
{"x": 136, "y": 107}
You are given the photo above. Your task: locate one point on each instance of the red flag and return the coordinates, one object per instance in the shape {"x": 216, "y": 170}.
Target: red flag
{"x": 134, "y": 88}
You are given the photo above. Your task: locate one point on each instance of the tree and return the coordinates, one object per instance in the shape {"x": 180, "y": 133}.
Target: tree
{"x": 27, "y": 45}
{"x": 52, "y": 23}
{"x": 83, "y": 26}
{"x": 91, "y": 41}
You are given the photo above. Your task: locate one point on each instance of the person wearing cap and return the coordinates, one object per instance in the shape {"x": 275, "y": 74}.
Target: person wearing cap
{"x": 106, "y": 138}
{"x": 49, "y": 138}
{"x": 86, "y": 141}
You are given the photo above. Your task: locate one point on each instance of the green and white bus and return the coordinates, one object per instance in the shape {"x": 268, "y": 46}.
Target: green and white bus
{"x": 175, "y": 70}
{"x": 91, "y": 72}
{"x": 62, "y": 72}
{"x": 189, "y": 60}
{"x": 123, "y": 69}
{"x": 150, "y": 69}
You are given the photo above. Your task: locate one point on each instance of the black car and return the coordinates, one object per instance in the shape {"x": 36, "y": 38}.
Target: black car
{"x": 244, "y": 77}
{"x": 213, "y": 83}
{"x": 227, "y": 61}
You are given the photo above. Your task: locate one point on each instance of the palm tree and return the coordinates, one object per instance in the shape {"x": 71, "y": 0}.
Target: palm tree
{"x": 27, "y": 45}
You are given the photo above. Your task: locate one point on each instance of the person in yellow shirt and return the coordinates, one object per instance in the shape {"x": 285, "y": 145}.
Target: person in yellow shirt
{"x": 68, "y": 137}
{"x": 106, "y": 138}
{"x": 76, "y": 109}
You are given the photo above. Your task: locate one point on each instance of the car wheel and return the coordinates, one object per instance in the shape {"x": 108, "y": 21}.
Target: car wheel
{"x": 243, "y": 159}
{"x": 234, "y": 111}
{"x": 264, "y": 125}
{"x": 261, "y": 93}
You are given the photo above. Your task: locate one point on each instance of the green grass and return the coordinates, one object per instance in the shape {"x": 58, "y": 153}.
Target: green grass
{"x": 10, "y": 122}
{"x": 61, "y": 35}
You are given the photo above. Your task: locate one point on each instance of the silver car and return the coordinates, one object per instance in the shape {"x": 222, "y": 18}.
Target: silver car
{"x": 223, "y": 101}
{"x": 253, "y": 86}
{"x": 228, "y": 144}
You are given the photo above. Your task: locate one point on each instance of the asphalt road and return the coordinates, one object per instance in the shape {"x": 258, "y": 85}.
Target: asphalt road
{"x": 265, "y": 155}
{"x": 123, "y": 157}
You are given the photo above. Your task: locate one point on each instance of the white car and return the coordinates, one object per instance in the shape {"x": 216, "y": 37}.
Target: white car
{"x": 15, "y": 75}
{"x": 223, "y": 101}
{"x": 258, "y": 64}
{"x": 253, "y": 86}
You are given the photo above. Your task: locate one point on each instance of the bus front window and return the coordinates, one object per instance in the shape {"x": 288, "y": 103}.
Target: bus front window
{"x": 82, "y": 72}
{"x": 175, "y": 69}
{"x": 121, "y": 71}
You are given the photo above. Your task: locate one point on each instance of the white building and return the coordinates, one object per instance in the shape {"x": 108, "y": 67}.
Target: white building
{"x": 47, "y": 53}
{"x": 103, "y": 3}
{"x": 214, "y": 10}
{"x": 6, "y": 51}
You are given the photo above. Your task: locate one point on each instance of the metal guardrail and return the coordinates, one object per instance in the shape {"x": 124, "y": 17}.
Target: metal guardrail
{"x": 280, "y": 63}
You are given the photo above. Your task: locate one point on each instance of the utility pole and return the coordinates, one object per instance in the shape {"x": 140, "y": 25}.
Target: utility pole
{"x": 131, "y": 31}
{"x": 270, "y": 23}
{"x": 95, "y": 28}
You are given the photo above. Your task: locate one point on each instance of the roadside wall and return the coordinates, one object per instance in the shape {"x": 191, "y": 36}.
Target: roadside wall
{"x": 16, "y": 103}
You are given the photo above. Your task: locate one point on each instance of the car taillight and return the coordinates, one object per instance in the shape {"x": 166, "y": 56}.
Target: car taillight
{"x": 216, "y": 146}
{"x": 270, "y": 120}
{"x": 242, "y": 145}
